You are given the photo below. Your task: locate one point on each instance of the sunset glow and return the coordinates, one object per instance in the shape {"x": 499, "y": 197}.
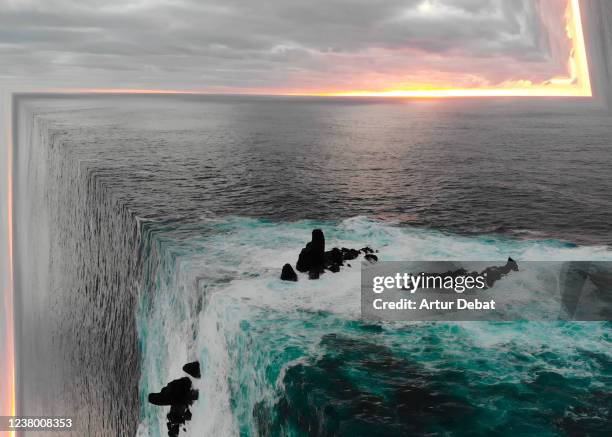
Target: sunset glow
{"x": 576, "y": 84}
{"x": 7, "y": 394}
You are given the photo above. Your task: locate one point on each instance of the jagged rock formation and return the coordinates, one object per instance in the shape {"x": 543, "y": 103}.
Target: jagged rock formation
{"x": 494, "y": 274}
{"x": 491, "y": 274}
{"x": 314, "y": 260}
{"x": 179, "y": 394}
{"x": 312, "y": 257}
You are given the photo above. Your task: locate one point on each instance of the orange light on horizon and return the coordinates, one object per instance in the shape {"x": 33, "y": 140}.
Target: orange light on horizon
{"x": 8, "y": 392}
{"x": 576, "y": 84}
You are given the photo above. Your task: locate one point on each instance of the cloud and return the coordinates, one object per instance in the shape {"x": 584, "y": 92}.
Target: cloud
{"x": 278, "y": 44}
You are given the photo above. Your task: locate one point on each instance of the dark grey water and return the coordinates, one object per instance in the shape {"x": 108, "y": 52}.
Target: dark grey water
{"x": 462, "y": 166}
{"x": 154, "y": 203}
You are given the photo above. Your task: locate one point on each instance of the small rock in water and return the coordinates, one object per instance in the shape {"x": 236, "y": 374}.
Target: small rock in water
{"x": 371, "y": 258}
{"x": 192, "y": 369}
{"x": 288, "y": 274}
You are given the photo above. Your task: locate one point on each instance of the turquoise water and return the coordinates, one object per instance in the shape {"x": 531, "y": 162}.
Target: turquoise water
{"x": 139, "y": 258}
{"x": 294, "y": 359}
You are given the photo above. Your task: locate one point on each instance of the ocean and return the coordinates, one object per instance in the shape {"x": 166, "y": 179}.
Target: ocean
{"x": 151, "y": 230}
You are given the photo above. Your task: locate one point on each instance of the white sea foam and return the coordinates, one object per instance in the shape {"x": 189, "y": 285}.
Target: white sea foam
{"x": 235, "y": 273}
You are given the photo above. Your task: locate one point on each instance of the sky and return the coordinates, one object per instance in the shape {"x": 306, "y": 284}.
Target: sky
{"x": 282, "y": 46}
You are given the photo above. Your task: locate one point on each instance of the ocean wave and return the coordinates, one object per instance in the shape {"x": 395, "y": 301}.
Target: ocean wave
{"x": 292, "y": 358}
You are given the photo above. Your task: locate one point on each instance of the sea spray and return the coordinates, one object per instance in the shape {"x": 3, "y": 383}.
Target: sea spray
{"x": 253, "y": 332}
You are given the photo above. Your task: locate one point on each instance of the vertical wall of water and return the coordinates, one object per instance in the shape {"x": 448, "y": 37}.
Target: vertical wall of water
{"x": 597, "y": 16}
{"x": 77, "y": 276}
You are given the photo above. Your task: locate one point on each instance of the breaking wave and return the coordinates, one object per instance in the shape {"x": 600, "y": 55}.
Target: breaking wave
{"x": 284, "y": 358}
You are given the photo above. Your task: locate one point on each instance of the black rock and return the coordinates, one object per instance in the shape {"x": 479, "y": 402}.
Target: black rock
{"x": 512, "y": 265}
{"x": 334, "y": 268}
{"x": 288, "y": 274}
{"x": 176, "y": 392}
{"x": 314, "y": 274}
{"x": 312, "y": 257}
{"x": 318, "y": 240}
{"x": 494, "y": 274}
{"x": 179, "y": 395}
{"x": 178, "y": 415}
{"x": 333, "y": 256}
{"x": 192, "y": 369}
{"x": 315, "y": 260}
{"x": 304, "y": 259}
{"x": 349, "y": 254}
{"x": 371, "y": 258}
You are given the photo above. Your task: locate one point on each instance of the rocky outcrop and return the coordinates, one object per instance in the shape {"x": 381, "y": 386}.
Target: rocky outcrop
{"x": 192, "y": 369}
{"x": 179, "y": 395}
{"x": 491, "y": 274}
{"x": 349, "y": 254}
{"x": 312, "y": 257}
{"x": 494, "y": 274}
{"x": 179, "y": 414}
{"x": 288, "y": 274}
{"x": 314, "y": 260}
{"x": 178, "y": 391}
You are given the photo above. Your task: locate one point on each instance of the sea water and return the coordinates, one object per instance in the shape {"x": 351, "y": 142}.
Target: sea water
{"x": 187, "y": 208}
{"x": 294, "y": 359}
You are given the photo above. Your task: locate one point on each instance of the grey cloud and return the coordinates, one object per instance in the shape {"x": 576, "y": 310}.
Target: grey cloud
{"x": 245, "y": 43}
